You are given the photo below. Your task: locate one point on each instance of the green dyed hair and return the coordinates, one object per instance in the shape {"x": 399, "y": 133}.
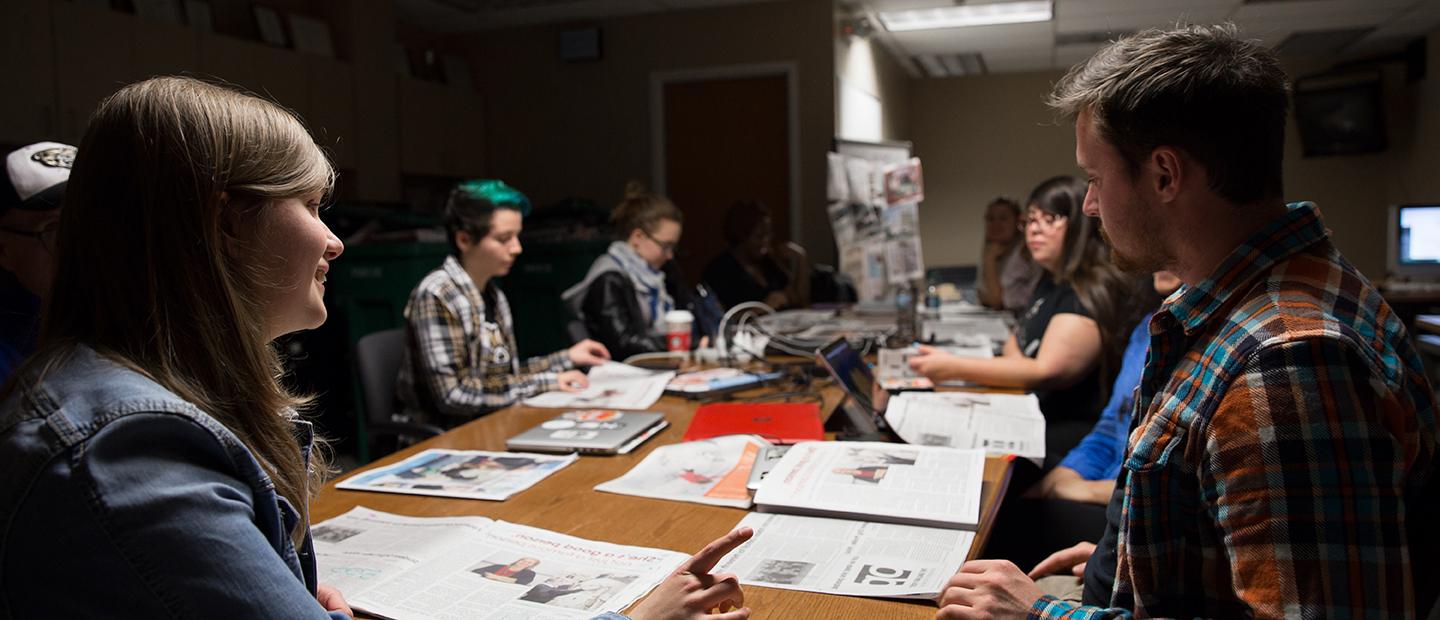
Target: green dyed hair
{"x": 472, "y": 204}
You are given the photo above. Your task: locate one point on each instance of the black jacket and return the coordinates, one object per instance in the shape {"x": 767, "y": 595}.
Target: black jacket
{"x": 613, "y": 317}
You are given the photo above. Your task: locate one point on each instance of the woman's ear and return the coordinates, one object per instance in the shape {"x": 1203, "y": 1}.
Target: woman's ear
{"x": 231, "y": 226}
{"x": 636, "y": 236}
{"x": 464, "y": 241}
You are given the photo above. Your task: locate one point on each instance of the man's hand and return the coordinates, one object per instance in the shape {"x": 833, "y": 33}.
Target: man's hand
{"x": 988, "y": 589}
{"x": 573, "y": 381}
{"x": 331, "y": 600}
{"x": 692, "y": 593}
{"x": 1070, "y": 561}
{"x": 587, "y": 352}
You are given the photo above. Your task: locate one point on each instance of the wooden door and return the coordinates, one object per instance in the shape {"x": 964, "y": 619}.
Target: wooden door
{"x": 725, "y": 140}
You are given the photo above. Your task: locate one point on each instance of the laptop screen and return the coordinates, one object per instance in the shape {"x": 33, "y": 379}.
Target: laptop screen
{"x": 851, "y": 372}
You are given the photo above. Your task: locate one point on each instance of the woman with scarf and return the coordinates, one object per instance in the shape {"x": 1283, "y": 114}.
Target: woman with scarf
{"x": 622, "y": 299}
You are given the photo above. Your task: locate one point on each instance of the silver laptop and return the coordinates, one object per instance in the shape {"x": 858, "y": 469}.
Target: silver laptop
{"x": 593, "y": 431}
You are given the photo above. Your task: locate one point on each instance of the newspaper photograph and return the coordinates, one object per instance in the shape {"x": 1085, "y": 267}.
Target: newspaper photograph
{"x": 904, "y": 182}
{"x": 471, "y": 567}
{"x": 998, "y": 424}
{"x": 850, "y": 558}
{"x": 612, "y": 386}
{"x": 466, "y": 474}
{"x": 710, "y": 471}
{"x": 875, "y": 481}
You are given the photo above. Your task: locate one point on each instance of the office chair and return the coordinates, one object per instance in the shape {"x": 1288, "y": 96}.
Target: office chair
{"x": 377, "y": 358}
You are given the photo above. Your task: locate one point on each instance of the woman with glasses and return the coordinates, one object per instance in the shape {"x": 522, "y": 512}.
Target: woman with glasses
{"x": 623, "y": 299}
{"x": 1068, "y": 343}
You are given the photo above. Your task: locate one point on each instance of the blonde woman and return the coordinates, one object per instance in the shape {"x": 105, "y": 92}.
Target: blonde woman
{"x": 154, "y": 465}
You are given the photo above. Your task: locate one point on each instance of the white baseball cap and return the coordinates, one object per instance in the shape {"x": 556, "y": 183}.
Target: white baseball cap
{"x": 35, "y": 176}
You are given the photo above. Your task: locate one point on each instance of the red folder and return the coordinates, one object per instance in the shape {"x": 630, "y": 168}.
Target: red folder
{"x": 775, "y": 422}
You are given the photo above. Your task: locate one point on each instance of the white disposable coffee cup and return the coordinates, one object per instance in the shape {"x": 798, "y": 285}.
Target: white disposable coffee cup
{"x": 677, "y": 329}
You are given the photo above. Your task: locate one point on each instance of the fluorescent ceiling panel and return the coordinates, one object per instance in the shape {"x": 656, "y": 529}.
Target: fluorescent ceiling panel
{"x": 1022, "y": 12}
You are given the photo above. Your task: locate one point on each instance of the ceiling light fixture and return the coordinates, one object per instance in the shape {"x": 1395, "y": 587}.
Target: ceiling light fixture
{"x": 990, "y": 14}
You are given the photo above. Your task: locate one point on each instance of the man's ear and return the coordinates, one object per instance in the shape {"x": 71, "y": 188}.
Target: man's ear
{"x": 1167, "y": 172}
{"x": 464, "y": 240}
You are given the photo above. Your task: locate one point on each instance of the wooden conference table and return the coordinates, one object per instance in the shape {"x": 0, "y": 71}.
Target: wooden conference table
{"x": 566, "y": 502}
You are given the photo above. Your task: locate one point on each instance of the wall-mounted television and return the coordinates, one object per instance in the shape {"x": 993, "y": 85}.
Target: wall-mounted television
{"x": 1340, "y": 114}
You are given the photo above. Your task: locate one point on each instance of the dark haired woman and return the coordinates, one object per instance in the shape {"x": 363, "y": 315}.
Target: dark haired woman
{"x": 1067, "y": 345}
{"x": 461, "y": 359}
{"x": 623, "y": 298}
{"x": 754, "y": 268}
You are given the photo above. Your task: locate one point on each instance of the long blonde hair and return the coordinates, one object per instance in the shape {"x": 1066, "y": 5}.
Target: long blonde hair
{"x": 150, "y": 270}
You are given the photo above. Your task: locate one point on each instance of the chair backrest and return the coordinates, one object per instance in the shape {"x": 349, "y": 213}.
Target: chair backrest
{"x": 378, "y": 357}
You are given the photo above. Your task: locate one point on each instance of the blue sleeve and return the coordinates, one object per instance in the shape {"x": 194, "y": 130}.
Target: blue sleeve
{"x": 1098, "y": 455}
{"x": 168, "y": 498}
{"x": 610, "y": 615}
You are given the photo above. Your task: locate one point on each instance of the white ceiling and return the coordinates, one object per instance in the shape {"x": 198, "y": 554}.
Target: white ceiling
{"x": 472, "y": 15}
{"x": 1032, "y": 47}
{"x": 1008, "y": 48}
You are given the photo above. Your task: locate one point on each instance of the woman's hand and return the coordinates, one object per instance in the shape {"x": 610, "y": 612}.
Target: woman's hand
{"x": 933, "y": 363}
{"x": 692, "y": 593}
{"x": 331, "y": 600}
{"x": 587, "y": 352}
{"x": 573, "y": 381}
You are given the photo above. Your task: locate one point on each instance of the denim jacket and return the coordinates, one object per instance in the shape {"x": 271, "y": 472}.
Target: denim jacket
{"x": 121, "y": 500}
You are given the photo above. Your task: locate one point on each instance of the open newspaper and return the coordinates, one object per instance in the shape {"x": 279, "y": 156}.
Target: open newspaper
{"x": 476, "y": 568}
{"x": 893, "y": 370}
{"x": 468, "y": 474}
{"x": 853, "y": 558}
{"x": 995, "y": 423}
{"x": 710, "y": 471}
{"x": 612, "y": 386}
{"x": 874, "y": 481}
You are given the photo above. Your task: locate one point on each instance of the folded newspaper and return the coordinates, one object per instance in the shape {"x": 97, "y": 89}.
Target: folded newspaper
{"x": 996, "y": 423}
{"x": 881, "y": 482}
{"x": 612, "y": 386}
{"x": 395, "y": 566}
{"x": 467, "y": 474}
{"x": 852, "y": 558}
{"x": 710, "y": 471}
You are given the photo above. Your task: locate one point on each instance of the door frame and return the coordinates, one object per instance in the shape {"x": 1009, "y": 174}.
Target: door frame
{"x": 658, "y": 81}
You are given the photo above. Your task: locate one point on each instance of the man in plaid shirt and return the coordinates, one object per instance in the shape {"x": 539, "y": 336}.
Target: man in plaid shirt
{"x": 1284, "y": 454}
{"x": 461, "y": 359}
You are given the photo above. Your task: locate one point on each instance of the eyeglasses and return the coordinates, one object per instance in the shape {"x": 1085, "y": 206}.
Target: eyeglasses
{"x": 1045, "y": 220}
{"x": 45, "y": 235}
{"x": 665, "y": 246}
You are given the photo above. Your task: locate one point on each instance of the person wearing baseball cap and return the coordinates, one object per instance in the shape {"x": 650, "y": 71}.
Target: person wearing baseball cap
{"x": 31, "y": 192}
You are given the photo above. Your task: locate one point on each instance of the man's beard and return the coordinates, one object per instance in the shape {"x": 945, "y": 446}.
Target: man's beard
{"x": 1131, "y": 263}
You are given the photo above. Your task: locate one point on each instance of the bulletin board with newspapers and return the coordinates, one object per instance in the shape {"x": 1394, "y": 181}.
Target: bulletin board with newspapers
{"x": 874, "y": 195}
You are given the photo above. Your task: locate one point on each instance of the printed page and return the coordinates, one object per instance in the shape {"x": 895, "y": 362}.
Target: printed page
{"x": 466, "y": 474}
{"x": 996, "y": 423}
{"x": 501, "y": 571}
{"x": 853, "y": 558}
{"x": 362, "y": 548}
{"x": 966, "y": 329}
{"x": 612, "y": 386}
{"x": 874, "y": 481}
{"x": 711, "y": 471}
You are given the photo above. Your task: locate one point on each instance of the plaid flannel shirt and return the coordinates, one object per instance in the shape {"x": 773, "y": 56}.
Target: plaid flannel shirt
{"x": 1288, "y": 432}
{"x": 453, "y": 365}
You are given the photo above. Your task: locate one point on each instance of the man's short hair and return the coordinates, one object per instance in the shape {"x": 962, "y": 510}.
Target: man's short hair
{"x": 472, "y": 204}
{"x": 1201, "y": 89}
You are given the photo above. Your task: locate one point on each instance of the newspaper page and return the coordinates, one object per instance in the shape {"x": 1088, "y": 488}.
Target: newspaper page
{"x": 996, "y": 423}
{"x": 612, "y": 386}
{"x": 475, "y": 568}
{"x": 963, "y": 329}
{"x": 893, "y": 370}
{"x": 875, "y": 481}
{"x": 852, "y": 558}
{"x": 710, "y": 471}
{"x": 467, "y": 474}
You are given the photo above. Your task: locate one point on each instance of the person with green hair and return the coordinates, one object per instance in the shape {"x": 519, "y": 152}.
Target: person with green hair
{"x": 460, "y": 358}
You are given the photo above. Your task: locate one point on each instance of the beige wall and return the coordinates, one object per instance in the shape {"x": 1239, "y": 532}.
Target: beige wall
{"x": 869, "y": 67}
{"x": 990, "y": 135}
{"x": 980, "y": 137}
{"x": 559, "y": 129}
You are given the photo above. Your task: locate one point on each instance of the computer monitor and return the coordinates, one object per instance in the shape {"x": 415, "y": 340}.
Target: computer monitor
{"x": 850, "y": 371}
{"x": 1414, "y": 241}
